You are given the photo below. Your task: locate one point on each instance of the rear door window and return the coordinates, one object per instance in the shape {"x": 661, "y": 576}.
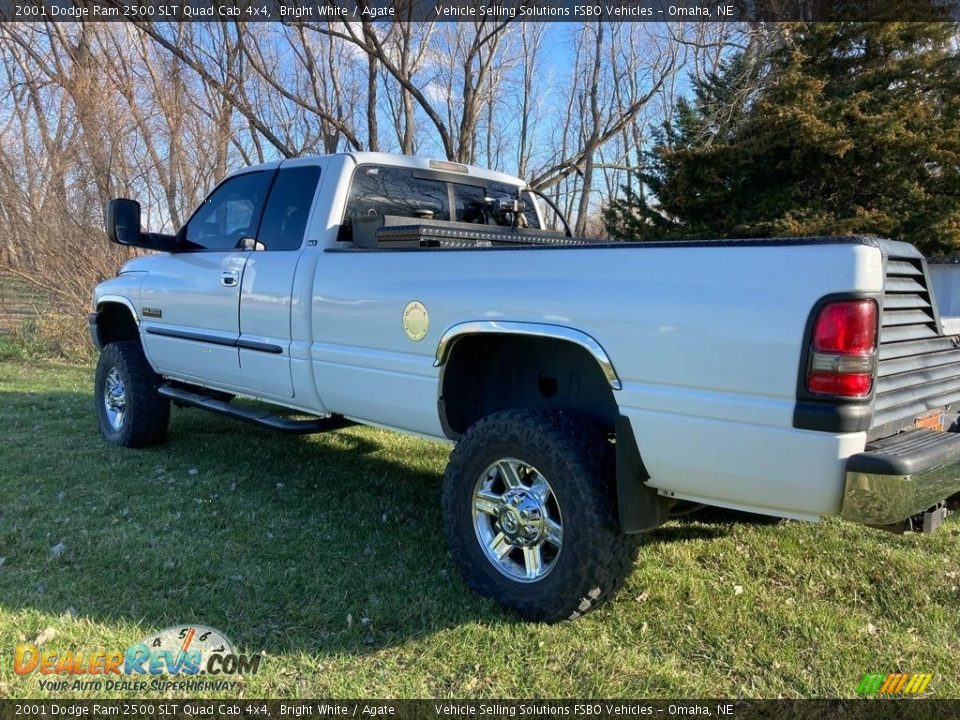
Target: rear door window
{"x": 288, "y": 208}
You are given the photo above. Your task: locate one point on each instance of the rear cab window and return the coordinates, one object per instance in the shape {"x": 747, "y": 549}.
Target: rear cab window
{"x": 378, "y": 190}
{"x": 471, "y": 205}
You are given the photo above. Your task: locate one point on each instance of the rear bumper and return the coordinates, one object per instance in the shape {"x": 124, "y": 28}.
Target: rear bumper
{"x": 900, "y": 476}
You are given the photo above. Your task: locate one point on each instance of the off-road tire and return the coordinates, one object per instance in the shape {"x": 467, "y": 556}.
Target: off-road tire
{"x": 577, "y": 458}
{"x": 147, "y": 413}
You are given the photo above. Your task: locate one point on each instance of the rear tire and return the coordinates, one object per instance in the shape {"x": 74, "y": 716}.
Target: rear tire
{"x": 548, "y": 547}
{"x": 130, "y": 411}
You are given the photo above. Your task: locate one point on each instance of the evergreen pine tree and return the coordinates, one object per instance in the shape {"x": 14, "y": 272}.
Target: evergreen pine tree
{"x": 847, "y": 128}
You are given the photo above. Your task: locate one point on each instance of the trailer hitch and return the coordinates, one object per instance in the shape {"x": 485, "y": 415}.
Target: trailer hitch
{"x": 926, "y": 522}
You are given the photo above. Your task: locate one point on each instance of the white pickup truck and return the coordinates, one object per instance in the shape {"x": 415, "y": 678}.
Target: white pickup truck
{"x": 592, "y": 389}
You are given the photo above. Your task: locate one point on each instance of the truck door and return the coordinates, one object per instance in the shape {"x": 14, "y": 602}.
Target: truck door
{"x": 190, "y": 300}
{"x": 267, "y": 292}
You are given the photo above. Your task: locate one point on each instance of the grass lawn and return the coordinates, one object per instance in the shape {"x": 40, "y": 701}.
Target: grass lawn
{"x": 326, "y": 553}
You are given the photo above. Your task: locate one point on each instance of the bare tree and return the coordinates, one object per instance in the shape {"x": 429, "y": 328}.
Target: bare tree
{"x": 469, "y": 49}
{"x": 161, "y": 111}
{"x": 531, "y": 41}
{"x": 92, "y": 112}
{"x": 408, "y": 44}
{"x": 619, "y": 69}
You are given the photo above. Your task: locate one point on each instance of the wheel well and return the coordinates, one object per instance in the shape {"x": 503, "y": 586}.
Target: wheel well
{"x": 115, "y": 323}
{"x": 486, "y": 373}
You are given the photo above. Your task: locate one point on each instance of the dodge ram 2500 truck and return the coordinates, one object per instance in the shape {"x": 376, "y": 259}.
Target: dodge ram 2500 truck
{"x": 591, "y": 388}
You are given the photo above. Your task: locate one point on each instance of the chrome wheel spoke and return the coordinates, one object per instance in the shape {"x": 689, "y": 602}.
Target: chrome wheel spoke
{"x": 487, "y": 502}
{"x": 554, "y": 533}
{"x": 541, "y": 489}
{"x": 499, "y": 546}
{"x": 510, "y": 473}
{"x": 533, "y": 560}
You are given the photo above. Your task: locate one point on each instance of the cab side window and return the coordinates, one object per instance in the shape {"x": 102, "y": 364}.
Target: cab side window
{"x": 229, "y": 214}
{"x": 288, "y": 207}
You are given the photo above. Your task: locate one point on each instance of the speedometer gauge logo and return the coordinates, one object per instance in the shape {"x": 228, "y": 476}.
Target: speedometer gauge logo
{"x": 184, "y": 638}
{"x": 189, "y": 650}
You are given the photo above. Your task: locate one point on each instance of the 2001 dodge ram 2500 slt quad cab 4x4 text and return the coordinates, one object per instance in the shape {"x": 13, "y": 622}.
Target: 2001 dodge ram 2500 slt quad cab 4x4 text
{"x": 591, "y": 388}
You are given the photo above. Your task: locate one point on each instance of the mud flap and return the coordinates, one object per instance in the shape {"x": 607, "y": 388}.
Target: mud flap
{"x": 639, "y": 506}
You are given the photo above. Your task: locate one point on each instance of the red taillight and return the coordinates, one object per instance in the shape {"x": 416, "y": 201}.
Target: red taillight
{"x": 848, "y": 327}
{"x": 854, "y": 385}
{"x": 844, "y": 345}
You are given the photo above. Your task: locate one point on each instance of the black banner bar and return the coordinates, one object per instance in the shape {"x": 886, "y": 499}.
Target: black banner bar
{"x": 166, "y": 709}
{"x": 300, "y": 11}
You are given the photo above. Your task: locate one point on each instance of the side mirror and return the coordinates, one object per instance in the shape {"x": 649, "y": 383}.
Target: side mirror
{"x": 123, "y": 221}
{"x": 123, "y": 228}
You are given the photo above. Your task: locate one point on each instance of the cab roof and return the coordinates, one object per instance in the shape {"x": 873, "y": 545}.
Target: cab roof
{"x": 394, "y": 160}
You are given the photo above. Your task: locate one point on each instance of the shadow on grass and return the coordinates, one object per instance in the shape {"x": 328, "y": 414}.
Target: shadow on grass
{"x": 330, "y": 544}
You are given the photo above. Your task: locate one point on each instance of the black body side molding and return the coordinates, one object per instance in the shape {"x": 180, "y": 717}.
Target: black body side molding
{"x": 214, "y": 340}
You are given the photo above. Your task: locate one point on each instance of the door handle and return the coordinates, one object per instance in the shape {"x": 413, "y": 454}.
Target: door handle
{"x": 229, "y": 278}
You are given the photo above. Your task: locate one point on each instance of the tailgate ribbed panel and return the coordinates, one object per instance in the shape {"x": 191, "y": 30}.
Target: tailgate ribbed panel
{"x": 919, "y": 369}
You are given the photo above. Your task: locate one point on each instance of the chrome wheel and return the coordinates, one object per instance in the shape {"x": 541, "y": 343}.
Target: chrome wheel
{"x": 517, "y": 520}
{"x": 114, "y": 399}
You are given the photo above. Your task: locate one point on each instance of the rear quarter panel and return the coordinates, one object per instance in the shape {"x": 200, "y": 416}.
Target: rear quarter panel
{"x": 706, "y": 340}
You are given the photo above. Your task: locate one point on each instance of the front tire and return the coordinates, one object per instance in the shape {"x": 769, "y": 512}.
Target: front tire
{"x": 130, "y": 411}
{"x": 530, "y": 513}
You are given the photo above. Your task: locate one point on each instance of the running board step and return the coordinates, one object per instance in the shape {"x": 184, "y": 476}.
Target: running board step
{"x": 252, "y": 415}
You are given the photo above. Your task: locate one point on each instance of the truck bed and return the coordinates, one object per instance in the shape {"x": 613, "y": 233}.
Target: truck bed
{"x": 399, "y": 233}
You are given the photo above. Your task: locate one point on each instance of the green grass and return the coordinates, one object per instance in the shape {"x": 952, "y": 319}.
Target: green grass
{"x": 326, "y": 553}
